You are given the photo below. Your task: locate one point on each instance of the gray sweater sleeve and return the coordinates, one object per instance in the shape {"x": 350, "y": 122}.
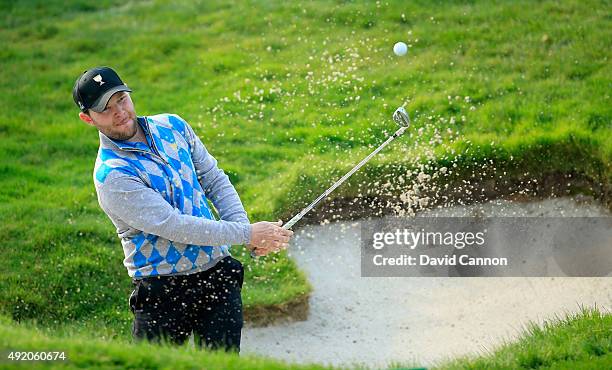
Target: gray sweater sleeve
{"x": 142, "y": 208}
{"x": 215, "y": 182}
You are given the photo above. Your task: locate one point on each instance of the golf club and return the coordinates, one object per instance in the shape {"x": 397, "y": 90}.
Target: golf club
{"x": 400, "y": 116}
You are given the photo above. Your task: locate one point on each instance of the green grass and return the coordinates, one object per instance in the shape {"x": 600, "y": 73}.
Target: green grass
{"x": 578, "y": 341}
{"x": 89, "y": 352}
{"x": 287, "y": 97}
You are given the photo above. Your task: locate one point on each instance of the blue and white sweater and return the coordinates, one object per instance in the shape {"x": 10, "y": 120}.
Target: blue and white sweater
{"x": 156, "y": 196}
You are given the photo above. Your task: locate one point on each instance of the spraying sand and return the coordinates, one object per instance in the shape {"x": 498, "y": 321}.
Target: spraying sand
{"x": 422, "y": 320}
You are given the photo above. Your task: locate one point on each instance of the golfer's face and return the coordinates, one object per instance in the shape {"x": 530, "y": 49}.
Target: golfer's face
{"x": 118, "y": 120}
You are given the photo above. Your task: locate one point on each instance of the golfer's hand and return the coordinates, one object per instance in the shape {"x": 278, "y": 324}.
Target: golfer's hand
{"x": 268, "y": 237}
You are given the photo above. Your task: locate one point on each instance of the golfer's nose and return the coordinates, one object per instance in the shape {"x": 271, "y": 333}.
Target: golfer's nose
{"x": 118, "y": 111}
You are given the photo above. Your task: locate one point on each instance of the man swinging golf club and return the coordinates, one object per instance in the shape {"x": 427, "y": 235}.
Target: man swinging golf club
{"x": 153, "y": 177}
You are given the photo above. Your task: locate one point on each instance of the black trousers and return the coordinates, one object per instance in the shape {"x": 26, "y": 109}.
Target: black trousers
{"x": 207, "y": 304}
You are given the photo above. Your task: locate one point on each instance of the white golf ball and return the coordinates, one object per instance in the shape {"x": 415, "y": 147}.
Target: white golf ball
{"x": 400, "y": 48}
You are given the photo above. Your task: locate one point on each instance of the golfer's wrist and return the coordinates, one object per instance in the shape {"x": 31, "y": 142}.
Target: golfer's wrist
{"x": 247, "y": 233}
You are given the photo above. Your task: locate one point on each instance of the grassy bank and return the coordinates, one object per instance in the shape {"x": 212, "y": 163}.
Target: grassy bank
{"x": 287, "y": 97}
{"x": 88, "y": 352}
{"x": 578, "y": 341}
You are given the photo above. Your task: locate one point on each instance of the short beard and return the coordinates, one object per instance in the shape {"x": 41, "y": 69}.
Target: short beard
{"x": 121, "y": 136}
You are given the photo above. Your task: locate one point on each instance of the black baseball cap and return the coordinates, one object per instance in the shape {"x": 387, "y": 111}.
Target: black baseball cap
{"x": 94, "y": 88}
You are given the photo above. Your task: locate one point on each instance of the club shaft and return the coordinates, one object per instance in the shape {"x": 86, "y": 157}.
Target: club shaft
{"x": 299, "y": 216}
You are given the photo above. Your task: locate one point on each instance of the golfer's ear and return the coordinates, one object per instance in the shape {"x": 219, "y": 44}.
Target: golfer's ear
{"x": 85, "y": 118}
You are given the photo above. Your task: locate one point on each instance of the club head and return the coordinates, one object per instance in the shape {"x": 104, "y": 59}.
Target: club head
{"x": 400, "y": 116}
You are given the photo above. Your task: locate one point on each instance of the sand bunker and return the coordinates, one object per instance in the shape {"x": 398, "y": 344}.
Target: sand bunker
{"x": 373, "y": 321}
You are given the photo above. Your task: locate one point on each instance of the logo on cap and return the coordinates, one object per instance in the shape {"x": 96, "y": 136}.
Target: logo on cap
{"x": 98, "y": 79}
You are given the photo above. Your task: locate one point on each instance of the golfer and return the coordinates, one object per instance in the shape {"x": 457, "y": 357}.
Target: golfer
{"x": 154, "y": 177}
